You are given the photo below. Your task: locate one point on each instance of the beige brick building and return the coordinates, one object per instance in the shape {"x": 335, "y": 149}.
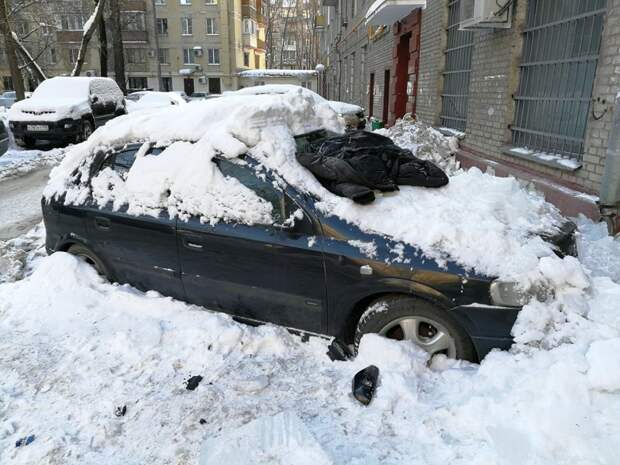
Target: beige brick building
{"x": 203, "y": 44}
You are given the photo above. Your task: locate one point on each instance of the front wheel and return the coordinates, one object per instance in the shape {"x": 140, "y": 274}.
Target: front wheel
{"x": 408, "y": 318}
{"x": 87, "y": 130}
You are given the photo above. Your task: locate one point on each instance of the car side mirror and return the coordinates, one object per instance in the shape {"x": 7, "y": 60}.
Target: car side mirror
{"x": 94, "y": 99}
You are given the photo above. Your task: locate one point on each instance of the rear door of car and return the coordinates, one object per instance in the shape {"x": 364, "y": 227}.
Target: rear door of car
{"x": 102, "y": 100}
{"x": 141, "y": 250}
{"x": 262, "y": 272}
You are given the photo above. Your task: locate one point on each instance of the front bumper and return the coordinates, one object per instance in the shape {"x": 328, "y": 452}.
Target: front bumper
{"x": 56, "y": 130}
{"x": 488, "y": 326}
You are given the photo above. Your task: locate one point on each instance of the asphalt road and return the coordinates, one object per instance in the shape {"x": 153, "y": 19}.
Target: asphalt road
{"x": 20, "y": 202}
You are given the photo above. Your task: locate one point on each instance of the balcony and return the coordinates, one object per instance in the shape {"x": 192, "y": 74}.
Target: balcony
{"x": 133, "y": 5}
{"x": 135, "y": 36}
{"x": 68, "y": 36}
{"x": 248, "y": 11}
{"x": 260, "y": 44}
{"x": 387, "y": 12}
{"x": 249, "y": 40}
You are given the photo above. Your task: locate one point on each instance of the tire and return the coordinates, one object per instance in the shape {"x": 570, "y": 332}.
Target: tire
{"x": 89, "y": 257}
{"x": 26, "y": 142}
{"x": 395, "y": 316}
{"x": 87, "y": 130}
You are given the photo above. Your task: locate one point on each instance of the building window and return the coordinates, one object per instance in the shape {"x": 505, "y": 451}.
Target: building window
{"x": 7, "y": 82}
{"x": 160, "y": 2}
{"x": 211, "y": 26}
{"x": 215, "y": 86}
{"x": 3, "y": 59}
{"x": 164, "y": 56}
{"x": 213, "y": 55}
{"x": 167, "y": 84}
{"x": 53, "y": 59}
{"x": 458, "y": 52}
{"x": 20, "y": 28}
{"x": 188, "y": 56}
{"x": 210, "y": 2}
{"x": 133, "y": 21}
{"x": 73, "y": 55}
{"x": 246, "y": 59}
{"x": 249, "y": 26}
{"x": 556, "y": 82}
{"x": 135, "y": 55}
{"x": 137, "y": 83}
{"x": 162, "y": 26}
{"x": 186, "y": 26}
{"x": 185, "y": 2}
{"x": 72, "y": 22}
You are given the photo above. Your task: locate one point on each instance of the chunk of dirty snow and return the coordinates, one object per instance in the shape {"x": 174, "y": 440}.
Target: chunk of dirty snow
{"x": 270, "y": 440}
{"x": 604, "y": 360}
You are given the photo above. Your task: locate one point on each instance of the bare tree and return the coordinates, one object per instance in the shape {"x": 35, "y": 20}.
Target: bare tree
{"x": 9, "y": 43}
{"x": 117, "y": 45}
{"x": 103, "y": 46}
{"x": 89, "y": 30}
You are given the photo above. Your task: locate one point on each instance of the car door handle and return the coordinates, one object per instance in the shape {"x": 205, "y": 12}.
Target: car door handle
{"x": 193, "y": 245}
{"x": 102, "y": 223}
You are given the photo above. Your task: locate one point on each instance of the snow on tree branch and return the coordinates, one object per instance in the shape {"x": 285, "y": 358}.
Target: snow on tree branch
{"x": 89, "y": 29}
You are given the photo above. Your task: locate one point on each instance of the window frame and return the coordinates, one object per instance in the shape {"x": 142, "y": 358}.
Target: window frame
{"x": 214, "y": 51}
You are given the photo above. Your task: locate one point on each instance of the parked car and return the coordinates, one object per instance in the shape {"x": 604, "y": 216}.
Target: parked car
{"x": 66, "y": 109}
{"x": 309, "y": 274}
{"x": 352, "y": 115}
{"x": 136, "y": 95}
{"x": 150, "y": 99}
{"x": 8, "y": 98}
{"x": 181, "y": 94}
{"x": 198, "y": 96}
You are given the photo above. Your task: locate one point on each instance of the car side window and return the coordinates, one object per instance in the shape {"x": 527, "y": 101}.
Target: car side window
{"x": 262, "y": 187}
{"x": 121, "y": 162}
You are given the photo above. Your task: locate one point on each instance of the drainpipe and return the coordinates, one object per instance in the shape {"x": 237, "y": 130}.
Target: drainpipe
{"x": 609, "y": 203}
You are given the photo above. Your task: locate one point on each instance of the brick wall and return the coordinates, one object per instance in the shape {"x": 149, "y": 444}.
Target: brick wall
{"x": 494, "y": 78}
{"x": 432, "y": 45}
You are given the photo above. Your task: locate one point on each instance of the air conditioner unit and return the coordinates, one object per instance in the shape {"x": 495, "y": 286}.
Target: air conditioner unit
{"x": 198, "y": 51}
{"x": 91, "y": 73}
{"x": 151, "y": 53}
{"x": 202, "y": 79}
{"x": 484, "y": 14}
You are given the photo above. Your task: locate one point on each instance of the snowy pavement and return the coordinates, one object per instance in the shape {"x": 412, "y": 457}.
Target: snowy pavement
{"x": 20, "y": 202}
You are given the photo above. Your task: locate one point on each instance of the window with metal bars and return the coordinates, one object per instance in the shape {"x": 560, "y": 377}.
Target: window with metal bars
{"x": 561, "y": 44}
{"x": 457, "y": 70}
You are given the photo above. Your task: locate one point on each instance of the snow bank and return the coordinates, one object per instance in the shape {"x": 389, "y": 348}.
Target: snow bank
{"x": 19, "y": 162}
{"x": 74, "y": 349}
{"x": 425, "y": 142}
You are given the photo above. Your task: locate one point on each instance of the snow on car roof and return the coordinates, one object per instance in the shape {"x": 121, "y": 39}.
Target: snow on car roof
{"x": 472, "y": 221}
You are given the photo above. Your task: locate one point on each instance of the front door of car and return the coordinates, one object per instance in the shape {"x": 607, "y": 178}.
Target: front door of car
{"x": 139, "y": 249}
{"x": 263, "y": 272}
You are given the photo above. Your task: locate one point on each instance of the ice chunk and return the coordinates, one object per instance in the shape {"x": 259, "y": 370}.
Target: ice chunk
{"x": 279, "y": 439}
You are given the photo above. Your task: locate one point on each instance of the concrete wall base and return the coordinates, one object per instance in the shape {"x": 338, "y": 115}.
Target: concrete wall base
{"x": 570, "y": 198}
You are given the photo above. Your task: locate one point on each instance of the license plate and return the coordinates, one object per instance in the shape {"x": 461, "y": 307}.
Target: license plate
{"x": 38, "y": 127}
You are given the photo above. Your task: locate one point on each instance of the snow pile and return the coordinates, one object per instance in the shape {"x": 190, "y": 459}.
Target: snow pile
{"x": 425, "y": 142}
{"x": 183, "y": 179}
{"x": 73, "y": 350}
{"x": 469, "y": 221}
{"x": 598, "y": 250}
{"x": 17, "y": 255}
{"x": 20, "y": 162}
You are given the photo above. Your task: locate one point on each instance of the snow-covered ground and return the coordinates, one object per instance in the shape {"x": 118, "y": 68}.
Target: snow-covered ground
{"x": 93, "y": 372}
{"x": 73, "y": 349}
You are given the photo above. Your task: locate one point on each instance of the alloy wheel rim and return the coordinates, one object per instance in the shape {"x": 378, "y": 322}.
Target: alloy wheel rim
{"x": 91, "y": 262}
{"x": 426, "y": 333}
{"x": 87, "y": 131}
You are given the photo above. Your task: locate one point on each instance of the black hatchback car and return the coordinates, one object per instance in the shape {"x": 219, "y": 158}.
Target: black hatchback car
{"x": 317, "y": 275}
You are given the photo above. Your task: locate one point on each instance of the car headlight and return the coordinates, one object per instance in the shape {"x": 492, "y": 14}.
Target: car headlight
{"x": 508, "y": 294}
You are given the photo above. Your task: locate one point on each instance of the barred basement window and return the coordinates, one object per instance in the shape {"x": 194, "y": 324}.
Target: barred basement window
{"x": 456, "y": 75}
{"x": 560, "y": 55}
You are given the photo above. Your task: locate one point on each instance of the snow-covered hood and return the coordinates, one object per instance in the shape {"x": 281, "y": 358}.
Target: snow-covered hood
{"x": 48, "y": 109}
{"x": 343, "y": 108}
